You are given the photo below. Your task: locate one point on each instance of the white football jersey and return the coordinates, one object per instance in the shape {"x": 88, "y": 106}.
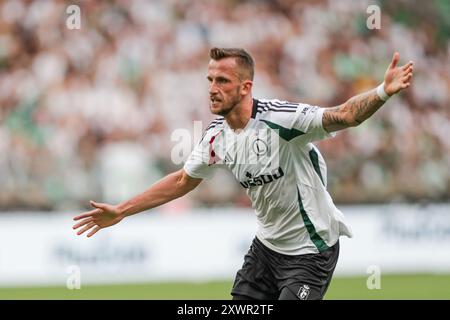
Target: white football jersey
{"x": 282, "y": 172}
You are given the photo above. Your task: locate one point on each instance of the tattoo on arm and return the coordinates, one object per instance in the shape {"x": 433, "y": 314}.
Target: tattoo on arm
{"x": 353, "y": 112}
{"x": 333, "y": 116}
{"x": 364, "y": 105}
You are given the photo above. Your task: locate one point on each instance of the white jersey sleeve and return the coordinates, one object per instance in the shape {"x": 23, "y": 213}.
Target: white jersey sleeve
{"x": 303, "y": 118}
{"x": 202, "y": 160}
{"x": 308, "y": 119}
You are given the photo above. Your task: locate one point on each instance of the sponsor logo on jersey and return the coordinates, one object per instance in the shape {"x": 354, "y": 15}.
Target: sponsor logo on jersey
{"x": 305, "y": 110}
{"x": 261, "y": 179}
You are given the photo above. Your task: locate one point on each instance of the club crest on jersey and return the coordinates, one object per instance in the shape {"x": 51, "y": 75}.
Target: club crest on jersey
{"x": 260, "y": 147}
{"x": 262, "y": 179}
{"x": 303, "y": 292}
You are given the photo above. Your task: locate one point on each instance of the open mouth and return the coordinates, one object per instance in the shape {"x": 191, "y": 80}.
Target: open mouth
{"x": 215, "y": 100}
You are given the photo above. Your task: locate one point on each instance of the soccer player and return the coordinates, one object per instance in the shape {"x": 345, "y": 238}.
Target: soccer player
{"x": 296, "y": 248}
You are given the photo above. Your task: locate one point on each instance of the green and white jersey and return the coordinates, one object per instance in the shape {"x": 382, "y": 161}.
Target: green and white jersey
{"x": 283, "y": 173}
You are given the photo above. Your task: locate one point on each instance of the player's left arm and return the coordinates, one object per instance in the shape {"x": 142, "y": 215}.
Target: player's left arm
{"x": 361, "y": 107}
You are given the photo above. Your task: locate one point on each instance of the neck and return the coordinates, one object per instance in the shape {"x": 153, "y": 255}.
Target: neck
{"x": 241, "y": 114}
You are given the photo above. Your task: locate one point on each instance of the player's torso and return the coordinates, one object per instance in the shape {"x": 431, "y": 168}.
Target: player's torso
{"x": 266, "y": 166}
{"x": 283, "y": 174}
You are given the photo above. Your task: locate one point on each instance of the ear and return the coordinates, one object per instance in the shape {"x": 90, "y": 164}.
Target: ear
{"x": 246, "y": 86}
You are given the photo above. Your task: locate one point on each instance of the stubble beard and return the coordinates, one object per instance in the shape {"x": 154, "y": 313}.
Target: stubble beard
{"x": 226, "y": 109}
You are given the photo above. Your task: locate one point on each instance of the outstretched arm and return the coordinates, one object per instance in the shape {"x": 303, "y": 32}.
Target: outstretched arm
{"x": 359, "y": 108}
{"x": 105, "y": 215}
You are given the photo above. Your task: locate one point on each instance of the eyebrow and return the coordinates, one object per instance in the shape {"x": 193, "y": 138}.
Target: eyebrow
{"x": 218, "y": 78}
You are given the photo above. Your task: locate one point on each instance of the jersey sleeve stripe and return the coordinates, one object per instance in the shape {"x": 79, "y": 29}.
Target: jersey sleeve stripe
{"x": 212, "y": 125}
{"x": 264, "y": 109}
{"x": 279, "y": 105}
{"x": 276, "y": 110}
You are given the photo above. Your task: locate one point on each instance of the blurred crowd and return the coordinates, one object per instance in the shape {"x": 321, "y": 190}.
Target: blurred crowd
{"x": 90, "y": 113}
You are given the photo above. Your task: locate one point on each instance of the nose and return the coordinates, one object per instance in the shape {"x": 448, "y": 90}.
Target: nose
{"x": 213, "y": 88}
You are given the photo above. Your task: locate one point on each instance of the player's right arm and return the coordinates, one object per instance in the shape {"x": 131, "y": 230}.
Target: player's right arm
{"x": 105, "y": 215}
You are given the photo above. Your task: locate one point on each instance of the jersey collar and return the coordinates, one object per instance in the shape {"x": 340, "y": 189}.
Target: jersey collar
{"x": 254, "y": 108}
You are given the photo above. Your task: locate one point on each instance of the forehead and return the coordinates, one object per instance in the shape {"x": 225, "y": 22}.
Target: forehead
{"x": 224, "y": 67}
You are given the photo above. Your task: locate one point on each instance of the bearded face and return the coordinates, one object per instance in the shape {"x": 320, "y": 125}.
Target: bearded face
{"x": 225, "y": 86}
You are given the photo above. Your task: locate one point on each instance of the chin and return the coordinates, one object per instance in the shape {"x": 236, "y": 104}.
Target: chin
{"x": 221, "y": 111}
{"x": 216, "y": 110}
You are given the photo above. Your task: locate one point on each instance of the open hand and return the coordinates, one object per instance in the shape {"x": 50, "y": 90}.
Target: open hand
{"x": 397, "y": 78}
{"x": 103, "y": 216}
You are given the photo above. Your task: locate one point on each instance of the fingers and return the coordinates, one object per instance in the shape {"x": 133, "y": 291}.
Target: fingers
{"x": 87, "y": 227}
{"x": 88, "y": 224}
{"x": 408, "y": 65}
{"x": 87, "y": 214}
{"x": 395, "y": 59}
{"x": 94, "y": 231}
{"x": 408, "y": 72}
{"x": 406, "y": 80}
{"x": 407, "y": 77}
{"x": 83, "y": 222}
{"x": 405, "y": 85}
{"x": 99, "y": 205}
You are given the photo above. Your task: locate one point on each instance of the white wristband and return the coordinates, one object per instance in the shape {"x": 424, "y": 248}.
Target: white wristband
{"x": 381, "y": 93}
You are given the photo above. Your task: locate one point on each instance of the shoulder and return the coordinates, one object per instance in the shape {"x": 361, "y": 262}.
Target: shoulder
{"x": 272, "y": 107}
{"x": 213, "y": 127}
{"x": 283, "y": 106}
{"x": 276, "y": 105}
{"x": 217, "y": 122}
{"x": 277, "y": 111}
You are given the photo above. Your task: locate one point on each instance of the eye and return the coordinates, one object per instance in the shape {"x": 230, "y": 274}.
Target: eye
{"x": 222, "y": 80}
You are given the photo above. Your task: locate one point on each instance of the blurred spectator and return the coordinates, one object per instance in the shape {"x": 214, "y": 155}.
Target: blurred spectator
{"x": 88, "y": 114}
